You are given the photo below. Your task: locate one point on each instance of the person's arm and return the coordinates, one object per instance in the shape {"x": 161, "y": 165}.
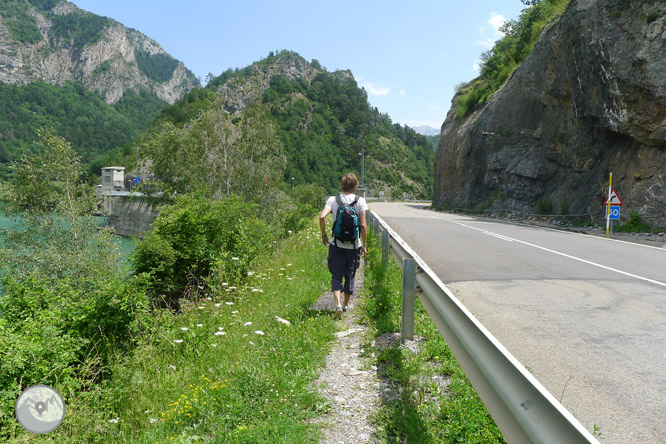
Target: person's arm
{"x": 364, "y": 233}
{"x": 322, "y": 224}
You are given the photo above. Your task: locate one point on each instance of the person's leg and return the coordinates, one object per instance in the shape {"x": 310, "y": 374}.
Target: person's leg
{"x": 352, "y": 262}
{"x": 336, "y": 265}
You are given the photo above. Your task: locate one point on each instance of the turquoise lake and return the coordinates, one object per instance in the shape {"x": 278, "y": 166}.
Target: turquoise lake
{"x": 126, "y": 244}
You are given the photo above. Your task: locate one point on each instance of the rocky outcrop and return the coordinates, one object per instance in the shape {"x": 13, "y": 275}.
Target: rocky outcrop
{"x": 238, "y": 93}
{"x": 590, "y": 99}
{"x": 108, "y": 65}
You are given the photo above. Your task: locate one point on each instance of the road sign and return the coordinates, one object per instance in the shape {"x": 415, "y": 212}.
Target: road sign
{"x": 614, "y": 212}
{"x": 614, "y": 198}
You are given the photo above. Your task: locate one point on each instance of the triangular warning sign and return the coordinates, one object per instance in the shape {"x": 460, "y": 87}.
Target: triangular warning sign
{"x": 614, "y": 198}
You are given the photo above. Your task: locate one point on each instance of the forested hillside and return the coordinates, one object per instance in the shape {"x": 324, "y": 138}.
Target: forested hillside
{"x": 82, "y": 117}
{"x": 323, "y": 121}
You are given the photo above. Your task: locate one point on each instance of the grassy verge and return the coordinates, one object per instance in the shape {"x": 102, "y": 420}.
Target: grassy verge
{"x": 425, "y": 412}
{"x": 225, "y": 369}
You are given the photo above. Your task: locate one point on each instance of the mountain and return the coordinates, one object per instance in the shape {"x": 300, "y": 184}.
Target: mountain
{"x": 589, "y": 99}
{"x": 426, "y": 130}
{"x": 95, "y": 81}
{"x": 323, "y": 121}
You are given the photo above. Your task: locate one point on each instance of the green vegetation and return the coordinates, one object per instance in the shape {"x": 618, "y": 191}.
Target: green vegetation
{"x": 323, "y": 125}
{"x": 424, "y": 412}
{"x": 80, "y": 29}
{"x": 506, "y": 56}
{"x": 76, "y": 317}
{"x": 21, "y": 24}
{"x": 635, "y": 224}
{"x": 544, "y": 207}
{"x": 158, "y": 67}
{"x": 92, "y": 126}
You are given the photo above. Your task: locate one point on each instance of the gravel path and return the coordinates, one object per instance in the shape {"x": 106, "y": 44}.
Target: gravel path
{"x": 348, "y": 381}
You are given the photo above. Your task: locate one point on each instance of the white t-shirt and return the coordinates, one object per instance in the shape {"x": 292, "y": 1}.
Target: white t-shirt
{"x": 360, "y": 206}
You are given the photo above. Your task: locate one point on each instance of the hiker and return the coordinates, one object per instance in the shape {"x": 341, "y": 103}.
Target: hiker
{"x": 347, "y": 247}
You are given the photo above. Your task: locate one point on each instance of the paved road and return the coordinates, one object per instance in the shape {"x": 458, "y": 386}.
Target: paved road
{"x": 586, "y": 315}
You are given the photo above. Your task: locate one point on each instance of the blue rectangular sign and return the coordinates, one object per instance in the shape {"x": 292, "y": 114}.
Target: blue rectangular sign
{"x": 614, "y": 212}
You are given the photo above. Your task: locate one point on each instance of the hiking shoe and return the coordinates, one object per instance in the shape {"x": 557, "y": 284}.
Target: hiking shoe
{"x": 338, "y": 312}
{"x": 344, "y": 309}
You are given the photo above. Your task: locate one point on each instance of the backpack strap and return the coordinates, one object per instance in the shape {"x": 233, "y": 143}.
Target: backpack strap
{"x": 338, "y": 200}
{"x": 354, "y": 203}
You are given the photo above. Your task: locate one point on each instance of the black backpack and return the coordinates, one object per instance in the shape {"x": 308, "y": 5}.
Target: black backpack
{"x": 345, "y": 227}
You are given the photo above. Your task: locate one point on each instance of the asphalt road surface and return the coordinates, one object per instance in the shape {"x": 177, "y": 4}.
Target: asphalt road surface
{"x": 586, "y": 315}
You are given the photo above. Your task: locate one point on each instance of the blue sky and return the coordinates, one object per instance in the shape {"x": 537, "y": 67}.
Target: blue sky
{"x": 409, "y": 56}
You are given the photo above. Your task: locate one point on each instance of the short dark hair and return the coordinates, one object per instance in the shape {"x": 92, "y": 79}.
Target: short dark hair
{"x": 349, "y": 182}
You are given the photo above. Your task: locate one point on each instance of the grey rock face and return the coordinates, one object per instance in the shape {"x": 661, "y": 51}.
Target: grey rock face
{"x": 108, "y": 66}
{"x": 589, "y": 100}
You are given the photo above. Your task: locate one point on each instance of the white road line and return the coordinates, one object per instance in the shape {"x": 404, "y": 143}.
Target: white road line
{"x": 562, "y": 254}
{"x": 499, "y": 236}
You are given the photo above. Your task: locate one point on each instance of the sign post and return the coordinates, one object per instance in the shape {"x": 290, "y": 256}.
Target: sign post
{"x": 612, "y": 204}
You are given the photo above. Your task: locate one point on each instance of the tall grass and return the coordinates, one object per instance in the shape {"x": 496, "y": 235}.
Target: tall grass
{"x": 425, "y": 411}
{"x": 225, "y": 369}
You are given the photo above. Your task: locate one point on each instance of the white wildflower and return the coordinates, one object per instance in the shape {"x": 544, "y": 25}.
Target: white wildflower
{"x": 290, "y": 279}
{"x": 259, "y": 332}
{"x": 234, "y": 258}
{"x": 283, "y": 321}
{"x": 171, "y": 367}
{"x": 288, "y": 265}
{"x": 184, "y": 328}
{"x": 213, "y": 345}
{"x": 251, "y": 343}
{"x": 225, "y": 284}
{"x": 153, "y": 420}
{"x": 220, "y": 333}
{"x": 114, "y": 420}
{"x": 218, "y": 305}
{"x": 220, "y": 328}
{"x": 199, "y": 325}
{"x": 229, "y": 303}
{"x": 247, "y": 324}
{"x": 234, "y": 312}
{"x": 178, "y": 341}
{"x": 250, "y": 273}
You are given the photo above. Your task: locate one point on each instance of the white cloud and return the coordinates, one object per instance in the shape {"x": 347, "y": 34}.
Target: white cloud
{"x": 476, "y": 67}
{"x": 490, "y": 30}
{"x": 403, "y": 93}
{"x": 376, "y": 91}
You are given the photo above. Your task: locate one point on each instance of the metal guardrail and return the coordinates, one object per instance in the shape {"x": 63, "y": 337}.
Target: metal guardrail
{"x": 522, "y": 408}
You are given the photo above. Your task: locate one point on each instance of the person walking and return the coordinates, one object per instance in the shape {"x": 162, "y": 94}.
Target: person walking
{"x": 345, "y": 250}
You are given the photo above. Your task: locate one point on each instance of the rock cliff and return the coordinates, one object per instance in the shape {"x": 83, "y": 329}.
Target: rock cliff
{"x": 116, "y": 59}
{"x": 590, "y": 99}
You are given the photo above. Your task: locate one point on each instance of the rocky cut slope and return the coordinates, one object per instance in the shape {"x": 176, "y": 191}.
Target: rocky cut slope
{"x": 56, "y": 42}
{"x": 589, "y": 99}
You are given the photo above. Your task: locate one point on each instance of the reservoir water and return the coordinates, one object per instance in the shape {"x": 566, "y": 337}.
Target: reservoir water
{"x": 126, "y": 244}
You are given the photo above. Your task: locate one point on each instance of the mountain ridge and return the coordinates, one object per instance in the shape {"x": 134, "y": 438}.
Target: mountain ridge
{"x": 68, "y": 44}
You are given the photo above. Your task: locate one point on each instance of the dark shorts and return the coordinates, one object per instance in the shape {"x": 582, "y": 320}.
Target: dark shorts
{"x": 343, "y": 263}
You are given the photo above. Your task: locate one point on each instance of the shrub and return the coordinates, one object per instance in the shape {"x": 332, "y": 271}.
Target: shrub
{"x": 544, "y": 207}
{"x": 196, "y": 238}
{"x": 635, "y": 224}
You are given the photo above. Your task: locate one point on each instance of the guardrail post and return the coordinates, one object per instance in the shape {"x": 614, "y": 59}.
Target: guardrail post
{"x": 370, "y": 221}
{"x": 385, "y": 247}
{"x": 408, "y": 291}
{"x": 375, "y": 228}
